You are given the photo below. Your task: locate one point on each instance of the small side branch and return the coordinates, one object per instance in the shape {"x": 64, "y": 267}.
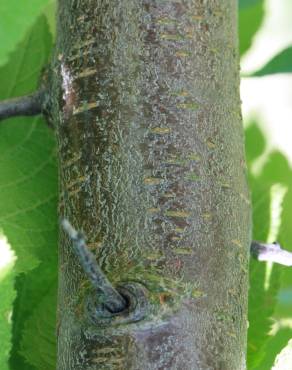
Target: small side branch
{"x": 110, "y": 297}
{"x": 271, "y": 252}
{"x": 29, "y": 105}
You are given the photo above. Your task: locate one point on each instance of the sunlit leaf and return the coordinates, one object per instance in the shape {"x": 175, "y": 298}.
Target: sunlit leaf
{"x": 242, "y": 4}
{"x": 262, "y": 297}
{"x": 262, "y": 304}
{"x": 38, "y": 344}
{"x": 28, "y": 187}
{"x": 284, "y": 359}
{"x": 251, "y": 14}
{"x": 281, "y": 63}
{"x": 273, "y": 347}
{"x": 7, "y": 296}
{"x": 16, "y": 19}
{"x": 27, "y": 160}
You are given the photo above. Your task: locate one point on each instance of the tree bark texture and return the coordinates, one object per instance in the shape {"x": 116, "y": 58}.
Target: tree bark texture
{"x": 145, "y": 102}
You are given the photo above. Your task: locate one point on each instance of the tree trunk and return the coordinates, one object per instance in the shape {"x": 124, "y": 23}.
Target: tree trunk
{"x": 145, "y": 102}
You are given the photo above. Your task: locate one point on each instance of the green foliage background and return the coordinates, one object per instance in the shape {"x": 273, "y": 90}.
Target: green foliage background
{"x": 28, "y": 196}
{"x": 28, "y": 203}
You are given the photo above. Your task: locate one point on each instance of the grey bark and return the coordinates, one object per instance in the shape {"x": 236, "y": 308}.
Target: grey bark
{"x": 145, "y": 102}
{"x": 29, "y": 105}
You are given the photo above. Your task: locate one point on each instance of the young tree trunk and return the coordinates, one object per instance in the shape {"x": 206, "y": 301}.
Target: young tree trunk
{"x": 145, "y": 102}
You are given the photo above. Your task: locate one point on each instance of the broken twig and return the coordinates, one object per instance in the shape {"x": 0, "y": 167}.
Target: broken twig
{"x": 271, "y": 252}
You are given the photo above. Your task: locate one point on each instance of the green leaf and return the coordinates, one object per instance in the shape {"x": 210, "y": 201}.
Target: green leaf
{"x": 242, "y": 4}
{"x": 21, "y": 74}
{"x": 7, "y": 296}
{"x": 281, "y": 63}
{"x": 28, "y": 190}
{"x": 38, "y": 344}
{"x": 274, "y": 346}
{"x": 50, "y": 13}
{"x": 255, "y": 143}
{"x": 32, "y": 288}
{"x": 16, "y": 19}
{"x": 284, "y": 359}
{"x": 27, "y": 162}
{"x": 262, "y": 304}
{"x": 262, "y": 298}
{"x": 251, "y": 13}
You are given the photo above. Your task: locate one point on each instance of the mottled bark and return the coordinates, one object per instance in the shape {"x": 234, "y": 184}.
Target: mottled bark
{"x": 145, "y": 102}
